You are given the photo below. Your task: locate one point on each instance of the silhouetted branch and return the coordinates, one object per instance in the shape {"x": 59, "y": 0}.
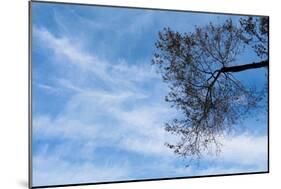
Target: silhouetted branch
{"x": 245, "y": 67}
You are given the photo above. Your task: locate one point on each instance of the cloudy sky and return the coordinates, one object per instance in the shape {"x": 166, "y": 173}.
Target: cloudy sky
{"x": 98, "y": 103}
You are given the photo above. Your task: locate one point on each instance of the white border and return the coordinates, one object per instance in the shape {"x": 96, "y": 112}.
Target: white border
{"x": 14, "y": 92}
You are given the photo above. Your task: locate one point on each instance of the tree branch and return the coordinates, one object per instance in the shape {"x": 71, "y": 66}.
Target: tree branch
{"x": 245, "y": 67}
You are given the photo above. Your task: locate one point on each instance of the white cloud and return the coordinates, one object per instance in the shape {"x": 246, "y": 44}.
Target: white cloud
{"x": 121, "y": 77}
{"x": 245, "y": 149}
{"x": 46, "y": 87}
{"x": 141, "y": 124}
{"x": 52, "y": 171}
{"x": 118, "y": 75}
{"x": 71, "y": 52}
{"x": 62, "y": 46}
{"x": 240, "y": 153}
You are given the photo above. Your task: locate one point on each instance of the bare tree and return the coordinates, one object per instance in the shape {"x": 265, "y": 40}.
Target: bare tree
{"x": 200, "y": 69}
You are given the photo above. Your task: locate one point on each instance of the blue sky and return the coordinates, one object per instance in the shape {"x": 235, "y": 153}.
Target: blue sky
{"x": 98, "y": 103}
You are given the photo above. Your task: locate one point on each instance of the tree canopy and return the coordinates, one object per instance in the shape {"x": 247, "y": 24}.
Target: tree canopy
{"x": 200, "y": 69}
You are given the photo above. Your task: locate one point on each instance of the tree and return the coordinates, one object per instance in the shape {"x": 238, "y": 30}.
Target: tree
{"x": 200, "y": 69}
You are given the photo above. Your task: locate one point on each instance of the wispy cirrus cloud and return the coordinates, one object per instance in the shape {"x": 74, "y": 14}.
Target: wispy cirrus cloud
{"x": 55, "y": 171}
{"x": 84, "y": 118}
{"x": 117, "y": 75}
